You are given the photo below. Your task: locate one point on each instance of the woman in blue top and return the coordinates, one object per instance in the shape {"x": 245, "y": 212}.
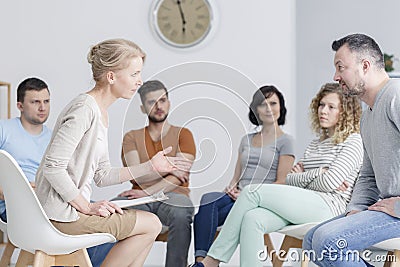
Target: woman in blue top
{"x": 264, "y": 157}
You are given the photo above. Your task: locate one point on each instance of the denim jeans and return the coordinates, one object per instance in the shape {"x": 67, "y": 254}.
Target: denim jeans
{"x": 98, "y": 253}
{"x": 3, "y": 216}
{"x": 336, "y": 241}
{"x": 214, "y": 208}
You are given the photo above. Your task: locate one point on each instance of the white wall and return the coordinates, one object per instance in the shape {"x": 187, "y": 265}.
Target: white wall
{"x": 318, "y": 24}
{"x": 50, "y": 40}
{"x": 271, "y": 42}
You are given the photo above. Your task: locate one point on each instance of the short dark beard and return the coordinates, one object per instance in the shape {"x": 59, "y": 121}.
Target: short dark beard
{"x": 153, "y": 119}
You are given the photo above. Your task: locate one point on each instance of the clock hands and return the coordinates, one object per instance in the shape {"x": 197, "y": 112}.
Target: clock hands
{"x": 182, "y": 15}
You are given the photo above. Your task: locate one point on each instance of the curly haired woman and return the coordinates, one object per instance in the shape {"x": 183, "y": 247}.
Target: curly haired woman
{"x": 320, "y": 183}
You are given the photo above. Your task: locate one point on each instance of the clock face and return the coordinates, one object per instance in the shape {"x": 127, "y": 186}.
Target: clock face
{"x": 182, "y": 23}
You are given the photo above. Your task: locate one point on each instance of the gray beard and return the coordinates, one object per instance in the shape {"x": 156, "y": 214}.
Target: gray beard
{"x": 358, "y": 90}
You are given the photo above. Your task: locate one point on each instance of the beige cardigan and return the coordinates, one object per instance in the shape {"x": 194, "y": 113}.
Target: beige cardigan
{"x": 67, "y": 162}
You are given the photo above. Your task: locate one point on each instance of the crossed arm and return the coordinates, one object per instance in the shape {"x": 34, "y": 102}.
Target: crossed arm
{"x": 167, "y": 182}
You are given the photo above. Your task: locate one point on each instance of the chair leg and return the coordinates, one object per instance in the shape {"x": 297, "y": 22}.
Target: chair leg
{"x": 270, "y": 246}
{"x": 78, "y": 258}
{"x": 25, "y": 258}
{"x": 395, "y": 261}
{"x": 388, "y": 256}
{"x": 42, "y": 259}
{"x": 7, "y": 253}
{"x": 288, "y": 242}
{"x": 304, "y": 260}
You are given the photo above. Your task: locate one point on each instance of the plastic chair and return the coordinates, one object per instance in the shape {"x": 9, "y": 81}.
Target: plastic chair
{"x": 29, "y": 228}
{"x": 393, "y": 248}
{"x": 294, "y": 235}
{"x": 9, "y": 247}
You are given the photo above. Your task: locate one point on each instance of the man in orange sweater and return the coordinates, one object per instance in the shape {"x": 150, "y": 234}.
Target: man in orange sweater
{"x": 141, "y": 145}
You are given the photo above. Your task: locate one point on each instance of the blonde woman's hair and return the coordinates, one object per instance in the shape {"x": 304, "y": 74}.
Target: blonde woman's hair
{"x": 112, "y": 55}
{"x": 349, "y": 116}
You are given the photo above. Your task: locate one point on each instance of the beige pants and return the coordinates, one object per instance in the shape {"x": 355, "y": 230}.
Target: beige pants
{"x": 119, "y": 225}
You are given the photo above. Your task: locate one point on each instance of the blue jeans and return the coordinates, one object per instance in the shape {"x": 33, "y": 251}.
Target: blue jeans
{"x": 214, "y": 208}
{"x": 98, "y": 253}
{"x": 335, "y": 241}
{"x": 3, "y": 216}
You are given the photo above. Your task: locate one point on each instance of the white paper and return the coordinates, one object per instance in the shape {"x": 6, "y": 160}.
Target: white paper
{"x": 123, "y": 203}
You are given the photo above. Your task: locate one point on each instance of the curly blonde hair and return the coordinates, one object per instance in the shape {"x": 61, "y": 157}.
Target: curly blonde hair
{"x": 349, "y": 116}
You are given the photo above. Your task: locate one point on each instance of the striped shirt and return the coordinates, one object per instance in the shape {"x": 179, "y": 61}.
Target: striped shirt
{"x": 342, "y": 161}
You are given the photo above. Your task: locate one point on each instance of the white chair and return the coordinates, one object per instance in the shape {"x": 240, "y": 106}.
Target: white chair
{"x": 8, "y": 249}
{"x": 294, "y": 235}
{"x": 393, "y": 248}
{"x": 29, "y": 228}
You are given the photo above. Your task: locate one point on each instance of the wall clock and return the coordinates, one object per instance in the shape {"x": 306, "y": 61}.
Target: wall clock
{"x": 182, "y": 23}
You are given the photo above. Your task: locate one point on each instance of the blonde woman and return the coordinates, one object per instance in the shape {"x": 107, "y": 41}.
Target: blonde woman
{"x": 78, "y": 155}
{"x": 320, "y": 183}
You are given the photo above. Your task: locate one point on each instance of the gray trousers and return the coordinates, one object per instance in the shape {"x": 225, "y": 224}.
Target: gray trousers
{"x": 176, "y": 213}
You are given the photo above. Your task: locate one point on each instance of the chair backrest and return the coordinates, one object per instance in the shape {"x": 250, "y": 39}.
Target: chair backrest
{"x": 27, "y": 224}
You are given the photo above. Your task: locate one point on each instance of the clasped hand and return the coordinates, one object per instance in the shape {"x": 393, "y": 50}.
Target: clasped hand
{"x": 177, "y": 166}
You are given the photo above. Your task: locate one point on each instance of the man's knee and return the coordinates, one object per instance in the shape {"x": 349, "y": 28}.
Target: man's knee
{"x": 322, "y": 240}
{"x": 210, "y": 198}
{"x": 181, "y": 216}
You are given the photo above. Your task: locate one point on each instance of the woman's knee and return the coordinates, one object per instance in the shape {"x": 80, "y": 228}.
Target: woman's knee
{"x": 155, "y": 223}
{"x": 251, "y": 221}
{"x": 147, "y": 223}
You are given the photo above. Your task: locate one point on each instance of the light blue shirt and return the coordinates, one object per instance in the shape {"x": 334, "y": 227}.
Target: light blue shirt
{"x": 26, "y": 149}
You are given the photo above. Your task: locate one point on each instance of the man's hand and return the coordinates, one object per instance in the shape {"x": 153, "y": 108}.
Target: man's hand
{"x": 352, "y": 212}
{"x": 163, "y": 164}
{"x": 133, "y": 193}
{"x": 390, "y": 206}
{"x": 181, "y": 175}
{"x": 33, "y": 185}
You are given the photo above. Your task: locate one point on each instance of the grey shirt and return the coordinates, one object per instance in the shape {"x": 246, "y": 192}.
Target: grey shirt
{"x": 260, "y": 164}
{"x": 380, "y": 132}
